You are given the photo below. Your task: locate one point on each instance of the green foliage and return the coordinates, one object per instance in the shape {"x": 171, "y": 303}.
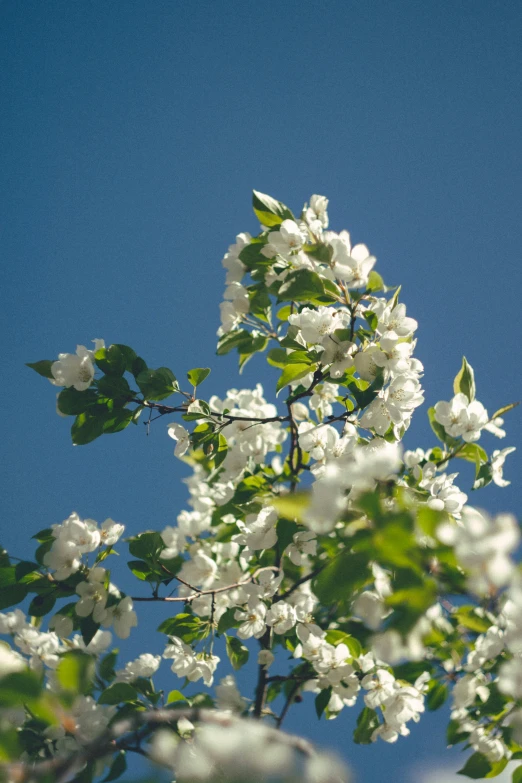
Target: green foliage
{"x": 465, "y": 381}
{"x": 367, "y": 722}
{"x": 185, "y": 626}
{"x": 268, "y": 211}
{"x": 198, "y": 375}
{"x": 76, "y": 672}
{"x": 341, "y": 577}
{"x": 157, "y": 384}
{"x": 43, "y": 368}
{"x": 237, "y": 652}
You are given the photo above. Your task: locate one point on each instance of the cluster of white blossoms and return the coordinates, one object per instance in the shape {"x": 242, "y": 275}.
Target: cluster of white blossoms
{"x": 236, "y": 749}
{"x": 188, "y": 664}
{"x": 74, "y": 539}
{"x": 308, "y": 531}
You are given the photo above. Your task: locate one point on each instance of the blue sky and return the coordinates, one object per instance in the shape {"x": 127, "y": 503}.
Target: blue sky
{"x": 133, "y": 134}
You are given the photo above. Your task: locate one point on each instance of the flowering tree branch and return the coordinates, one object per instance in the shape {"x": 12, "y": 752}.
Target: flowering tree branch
{"x": 351, "y": 578}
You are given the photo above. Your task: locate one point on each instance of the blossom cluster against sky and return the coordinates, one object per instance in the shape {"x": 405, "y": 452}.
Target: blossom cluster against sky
{"x": 133, "y": 136}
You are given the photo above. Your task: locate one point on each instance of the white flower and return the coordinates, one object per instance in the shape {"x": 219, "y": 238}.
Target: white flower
{"x": 110, "y": 531}
{"x": 235, "y": 268}
{"x": 497, "y": 466}
{"x": 281, "y": 616}
{"x": 174, "y": 540}
{"x": 10, "y": 661}
{"x": 320, "y": 401}
{"x": 253, "y": 620}
{"x": 490, "y": 746}
{"x": 338, "y": 354}
{"x": 285, "y": 241}
{"x": 380, "y": 687}
{"x": 12, "y": 621}
{"x": 228, "y": 697}
{"x": 63, "y": 558}
{"x": 144, "y": 666}
{"x": 93, "y": 595}
{"x": 122, "y": 616}
{"x": 62, "y": 625}
{"x": 315, "y": 324}
{"x": 445, "y": 496}
{"x": 370, "y": 607}
{"x": 459, "y": 417}
{"x": 304, "y": 544}
{"x": 316, "y": 215}
{"x": 91, "y": 719}
{"x": 350, "y": 264}
{"x": 258, "y": 531}
{"x": 393, "y": 321}
{"x": 182, "y": 436}
{"x": 510, "y": 678}
{"x": 317, "y": 439}
{"x": 495, "y": 427}
{"x": 74, "y": 369}
{"x": 265, "y": 658}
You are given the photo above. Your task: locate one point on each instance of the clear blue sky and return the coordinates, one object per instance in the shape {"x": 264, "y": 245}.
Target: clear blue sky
{"x": 133, "y": 133}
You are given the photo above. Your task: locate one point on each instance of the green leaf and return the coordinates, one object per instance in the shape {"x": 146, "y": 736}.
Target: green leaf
{"x": 107, "y": 664}
{"x": 337, "y": 637}
{"x": 277, "y": 357}
{"x": 87, "y": 427}
{"x": 468, "y": 618}
{"x": 291, "y": 506}
{"x": 88, "y": 629}
{"x": 198, "y": 375}
{"x": 517, "y": 775}
{"x": 11, "y": 595}
{"x": 292, "y": 372}
{"x": 117, "y": 421}
{"x": 483, "y": 476}
{"x": 43, "y": 368}
{"x": 341, "y": 577}
{"x": 321, "y": 701}
{"x": 42, "y": 604}
{"x": 301, "y": 285}
{"x": 142, "y": 571}
{"x": 118, "y": 767}
{"x": 227, "y": 621}
{"x": 147, "y": 546}
{"x": 465, "y": 381}
{"x": 19, "y": 687}
{"x": 9, "y": 745}
{"x": 115, "y": 387}
{"x": 320, "y": 252}
{"x": 186, "y": 626}
{"x": 72, "y": 402}
{"x": 501, "y": 411}
{"x": 284, "y": 312}
{"x": 157, "y": 384}
{"x": 76, "y": 672}
{"x": 175, "y": 696}
{"x": 268, "y": 211}
{"x": 367, "y": 722}
{"x": 111, "y": 360}
{"x": 472, "y": 452}
{"x": 476, "y": 767}
{"x": 117, "y": 693}
{"x": 437, "y": 695}
{"x": 364, "y": 397}
{"x": 129, "y": 356}
{"x": 236, "y": 651}
{"x": 375, "y": 282}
